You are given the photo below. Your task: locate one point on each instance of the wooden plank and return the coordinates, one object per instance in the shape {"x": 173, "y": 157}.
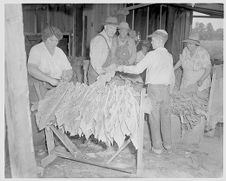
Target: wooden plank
{"x": 147, "y": 19}
{"x": 35, "y": 21}
{"x": 119, "y": 151}
{"x": 136, "y": 6}
{"x": 160, "y": 17}
{"x": 74, "y": 32}
{"x": 21, "y": 151}
{"x": 50, "y": 147}
{"x": 66, "y": 141}
{"x": 47, "y": 160}
{"x": 140, "y": 163}
{"x": 83, "y": 34}
{"x": 49, "y": 140}
{"x": 133, "y": 15}
{"x": 67, "y": 155}
{"x": 77, "y": 23}
{"x": 182, "y": 129}
{"x": 210, "y": 101}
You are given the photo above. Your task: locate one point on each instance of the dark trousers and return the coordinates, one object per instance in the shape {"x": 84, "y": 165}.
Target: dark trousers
{"x": 160, "y": 116}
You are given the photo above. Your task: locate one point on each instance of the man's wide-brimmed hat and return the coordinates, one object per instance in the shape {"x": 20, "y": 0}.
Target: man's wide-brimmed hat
{"x": 111, "y": 21}
{"x": 193, "y": 38}
{"x": 124, "y": 25}
{"x": 160, "y": 33}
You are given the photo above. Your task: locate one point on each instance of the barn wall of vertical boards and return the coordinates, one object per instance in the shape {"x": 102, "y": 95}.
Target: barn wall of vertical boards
{"x": 176, "y": 21}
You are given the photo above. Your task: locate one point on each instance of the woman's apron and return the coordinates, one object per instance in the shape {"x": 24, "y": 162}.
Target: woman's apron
{"x": 92, "y": 74}
{"x": 191, "y": 74}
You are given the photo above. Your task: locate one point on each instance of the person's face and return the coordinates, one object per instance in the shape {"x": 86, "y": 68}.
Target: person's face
{"x": 52, "y": 41}
{"x": 123, "y": 32}
{"x": 144, "y": 49}
{"x": 154, "y": 42}
{"x": 191, "y": 46}
{"x": 110, "y": 30}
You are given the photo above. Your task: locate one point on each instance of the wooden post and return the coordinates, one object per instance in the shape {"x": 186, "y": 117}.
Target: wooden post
{"x": 47, "y": 15}
{"x": 35, "y": 21}
{"x": 140, "y": 163}
{"x": 210, "y": 101}
{"x": 17, "y": 109}
{"x": 83, "y": 33}
{"x": 49, "y": 140}
{"x": 160, "y": 17}
{"x": 74, "y": 32}
{"x": 133, "y": 14}
{"x": 147, "y": 29}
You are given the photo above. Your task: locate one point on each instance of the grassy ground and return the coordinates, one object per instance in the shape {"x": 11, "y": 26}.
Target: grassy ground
{"x": 215, "y": 48}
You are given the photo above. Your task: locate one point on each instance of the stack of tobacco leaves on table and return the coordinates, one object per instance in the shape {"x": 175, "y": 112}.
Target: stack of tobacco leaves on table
{"x": 106, "y": 109}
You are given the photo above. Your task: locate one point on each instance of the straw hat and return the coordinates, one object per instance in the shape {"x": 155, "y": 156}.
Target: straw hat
{"x": 160, "y": 33}
{"x": 111, "y": 21}
{"x": 193, "y": 38}
{"x": 124, "y": 25}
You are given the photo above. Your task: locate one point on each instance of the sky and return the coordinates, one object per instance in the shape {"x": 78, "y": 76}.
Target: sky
{"x": 216, "y": 22}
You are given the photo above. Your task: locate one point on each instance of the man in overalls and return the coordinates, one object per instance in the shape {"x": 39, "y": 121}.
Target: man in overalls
{"x": 100, "y": 49}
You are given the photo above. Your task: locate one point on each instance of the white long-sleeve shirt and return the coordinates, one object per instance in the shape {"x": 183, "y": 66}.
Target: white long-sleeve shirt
{"x": 52, "y": 65}
{"x": 159, "y": 65}
{"x": 99, "y": 51}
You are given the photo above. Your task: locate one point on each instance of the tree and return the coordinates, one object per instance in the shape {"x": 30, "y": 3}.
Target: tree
{"x": 207, "y": 32}
{"x": 201, "y": 30}
{"x": 210, "y": 31}
{"x": 196, "y": 28}
{"x": 219, "y": 34}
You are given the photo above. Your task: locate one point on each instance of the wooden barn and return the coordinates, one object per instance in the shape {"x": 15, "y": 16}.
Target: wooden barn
{"x": 79, "y": 24}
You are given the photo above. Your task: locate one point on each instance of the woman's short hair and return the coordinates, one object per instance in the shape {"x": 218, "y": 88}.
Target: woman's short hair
{"x": 50, "y": 31}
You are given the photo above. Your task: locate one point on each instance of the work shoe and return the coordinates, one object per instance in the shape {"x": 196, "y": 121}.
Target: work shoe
{"x": 156, "y": 151}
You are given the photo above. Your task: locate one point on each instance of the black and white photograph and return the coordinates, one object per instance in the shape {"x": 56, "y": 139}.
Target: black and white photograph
{"x": 113, "y": 89}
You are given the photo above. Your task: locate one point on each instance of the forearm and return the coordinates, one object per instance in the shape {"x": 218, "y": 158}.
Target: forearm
{"x": 36, "y": 73}
{"x": 132, "y": 69}
{"x": 205, "y": 74}
{"x": 67, "y": 75}
{"x": 138, "y": 68}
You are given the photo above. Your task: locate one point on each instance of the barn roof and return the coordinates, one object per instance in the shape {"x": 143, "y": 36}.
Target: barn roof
{"x": 213, "y": 10}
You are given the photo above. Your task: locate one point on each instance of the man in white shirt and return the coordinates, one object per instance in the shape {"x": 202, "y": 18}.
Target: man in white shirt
{"x": 160, "y": 79}
{"x": 100, "y": 49}
{"x": 145, "y": 46}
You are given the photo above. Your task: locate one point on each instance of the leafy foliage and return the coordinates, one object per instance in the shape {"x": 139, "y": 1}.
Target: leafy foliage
{"x": 207, "y": 32}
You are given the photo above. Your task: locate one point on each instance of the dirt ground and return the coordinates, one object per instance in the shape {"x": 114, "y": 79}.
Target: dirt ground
{"x": 187, "y": 161}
